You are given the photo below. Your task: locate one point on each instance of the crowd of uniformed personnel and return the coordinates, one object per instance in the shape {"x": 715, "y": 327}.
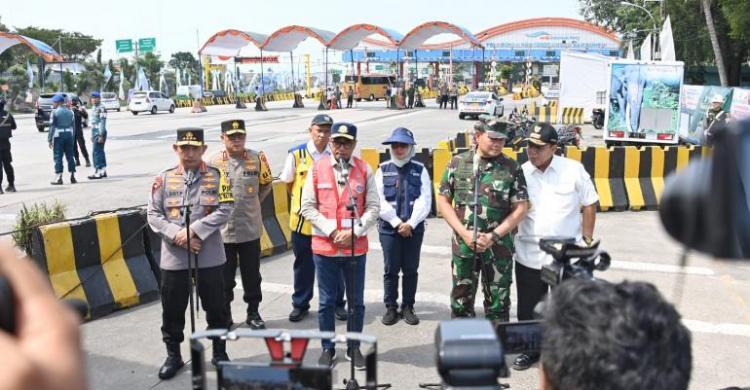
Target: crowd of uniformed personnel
{"x": 496, "y": 208}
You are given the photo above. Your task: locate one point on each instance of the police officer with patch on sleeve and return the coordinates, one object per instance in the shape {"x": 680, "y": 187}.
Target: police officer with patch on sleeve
{"x": 207, "y": 192}
{"x": 250, "y": 174}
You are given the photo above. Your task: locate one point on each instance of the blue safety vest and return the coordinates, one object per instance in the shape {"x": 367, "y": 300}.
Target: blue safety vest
{"x": 401, "y": 187}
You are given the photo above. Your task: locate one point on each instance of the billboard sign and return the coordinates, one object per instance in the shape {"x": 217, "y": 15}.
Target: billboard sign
{"x": 644, "y": 102}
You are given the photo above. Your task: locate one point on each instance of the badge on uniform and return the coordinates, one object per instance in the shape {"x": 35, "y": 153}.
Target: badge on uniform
{"x": 360, "y": 189}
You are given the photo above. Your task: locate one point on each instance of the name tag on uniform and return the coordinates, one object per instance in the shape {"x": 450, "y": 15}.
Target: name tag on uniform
{"x": 390, "y": 174}
{"x": 325, "y": 186}
{"x": 417, "y": 174}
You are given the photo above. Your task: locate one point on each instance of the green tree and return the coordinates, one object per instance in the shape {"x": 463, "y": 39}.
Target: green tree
{"x": 75, "y": 46}
{"x": 692, "y": 36}
{"x": 186, "y": 63}
{"x": 18, "y": 84}
{"x": 90, "y": 79}
{"x": 152, "y": 65}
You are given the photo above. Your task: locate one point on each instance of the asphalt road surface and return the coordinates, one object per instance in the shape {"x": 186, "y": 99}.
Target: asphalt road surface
{"x": 124, "y": 350}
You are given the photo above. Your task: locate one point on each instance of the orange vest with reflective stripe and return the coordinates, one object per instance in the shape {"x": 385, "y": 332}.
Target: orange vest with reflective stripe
{"x": 332, "y": 204}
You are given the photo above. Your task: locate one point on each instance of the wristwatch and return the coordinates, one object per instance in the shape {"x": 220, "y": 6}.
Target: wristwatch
{"x": 496, "y": 238}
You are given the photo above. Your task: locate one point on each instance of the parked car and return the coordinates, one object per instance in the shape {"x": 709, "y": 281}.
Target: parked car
{"x": 110, "y": 101}
{"x": 477, "y": 103}
{"x": 44, "y": 108}
{"x": 150, "y": 101}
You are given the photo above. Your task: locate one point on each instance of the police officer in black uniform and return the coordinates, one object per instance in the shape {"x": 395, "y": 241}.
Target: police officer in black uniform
{"x": 7, "y": 125}
{"x": 208, "y": 193}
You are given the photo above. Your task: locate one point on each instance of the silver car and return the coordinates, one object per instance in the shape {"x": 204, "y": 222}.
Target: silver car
{"x": 110, "y": 101}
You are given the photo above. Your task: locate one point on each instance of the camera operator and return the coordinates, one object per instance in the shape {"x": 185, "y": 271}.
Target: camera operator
{"x": 45, "y": 352}
{"x": 558, "y": 188}
{"x": 621, "y": 336}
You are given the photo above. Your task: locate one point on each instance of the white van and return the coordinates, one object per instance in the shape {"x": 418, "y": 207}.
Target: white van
{"x": 150, "y": 101}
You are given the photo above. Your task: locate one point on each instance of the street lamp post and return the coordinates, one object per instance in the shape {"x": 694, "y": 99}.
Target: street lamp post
{"x": 653, "y": 21}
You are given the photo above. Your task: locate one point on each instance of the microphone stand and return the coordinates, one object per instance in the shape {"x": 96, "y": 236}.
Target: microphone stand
{"x": 351, "y": 383}
{"x": 478, "y": 260}
{"x": 192, "y": 269}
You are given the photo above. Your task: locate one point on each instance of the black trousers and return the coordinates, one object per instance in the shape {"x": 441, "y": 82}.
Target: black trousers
{"x": 349, "y": 100}
{"x": 175, "y": 293}
{"x": 247, "y": 254}
{"x": 530, "y": 290}
{"x": 81, "y": 144}
{"x": 5, "y": 160}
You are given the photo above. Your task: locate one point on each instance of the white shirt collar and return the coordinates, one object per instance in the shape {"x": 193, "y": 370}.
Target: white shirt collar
{"x": 314, "y": 151}
{"x": 554, "y": 165}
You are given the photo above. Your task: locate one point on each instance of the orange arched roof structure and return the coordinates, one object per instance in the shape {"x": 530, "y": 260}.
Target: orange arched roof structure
{"x": 289, "y": 37}
{"x": 351, "y": 36}
{"x": 491, "y": 32}
{"x": 420, "y": 34}
{"x": 229, "y": 42}
{"x": 8, "y": 40}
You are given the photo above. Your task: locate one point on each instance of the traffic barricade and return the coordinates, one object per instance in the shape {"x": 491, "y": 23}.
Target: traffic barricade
{"x": 572, "y": 116}
{"x": 275, "y": 236}
{"x": 100, "y": 260}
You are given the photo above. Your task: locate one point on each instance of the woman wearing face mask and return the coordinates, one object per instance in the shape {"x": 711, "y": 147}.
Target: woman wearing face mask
{"x": 405, "y": 201}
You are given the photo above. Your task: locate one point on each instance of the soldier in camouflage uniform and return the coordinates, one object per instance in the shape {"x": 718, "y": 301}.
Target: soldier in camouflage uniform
{"x": 502, "y": 204}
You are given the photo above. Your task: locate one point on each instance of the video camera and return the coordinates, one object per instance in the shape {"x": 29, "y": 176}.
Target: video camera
{"x": 471, "y": 353}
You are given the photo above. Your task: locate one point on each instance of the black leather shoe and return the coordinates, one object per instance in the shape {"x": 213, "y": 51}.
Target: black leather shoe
{"x": 390, "y": 317}
{"x": 341, "y": 313}
{"x": 409, "y": 316}
{"x": 328, "y": 357}
{"x": 255, "y": 321}
{"x": 524, "y": 361}
{"x": 297, "y": 314}
{"x": 73, "y": 179}
{"x": 219, "y": 352}
{"x": 170, "y": 367}
{"x": 57, "y": 182}
{"x": 355, "y": 355}
{"x": 10, "y": 188}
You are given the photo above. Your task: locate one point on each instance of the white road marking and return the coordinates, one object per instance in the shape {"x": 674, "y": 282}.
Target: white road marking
{"x": 696, "y": 326}
{"x": 616, "y": 264}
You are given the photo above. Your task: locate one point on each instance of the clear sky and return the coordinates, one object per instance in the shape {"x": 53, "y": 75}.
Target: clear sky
{"x": 174, "y": 23}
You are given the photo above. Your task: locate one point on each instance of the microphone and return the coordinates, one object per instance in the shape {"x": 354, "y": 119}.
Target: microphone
{"x": 344, "y": 171}
{"x": 476, "y": 162}
{"x": 189, "y": 177}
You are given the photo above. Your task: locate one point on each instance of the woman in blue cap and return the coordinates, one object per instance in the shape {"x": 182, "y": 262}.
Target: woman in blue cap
{"x": 61, "y": 139}
{"x": 404, "y": 187}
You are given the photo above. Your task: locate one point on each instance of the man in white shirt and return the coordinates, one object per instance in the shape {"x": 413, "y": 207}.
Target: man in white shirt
{"x": 405, "y": 201}
{"x": 559, "y": 188}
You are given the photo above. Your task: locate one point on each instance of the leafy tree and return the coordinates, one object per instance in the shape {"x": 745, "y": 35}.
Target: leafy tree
{"x": 75, "y": 46}
{"x": 18, "y": 84}
{"x": 694, "y": 43}
{"x": 152, "y": 65}
{"x": 186, "y": 63}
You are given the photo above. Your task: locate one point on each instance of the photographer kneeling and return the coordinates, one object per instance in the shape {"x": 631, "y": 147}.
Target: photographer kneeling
{"x": 621, "y": 336}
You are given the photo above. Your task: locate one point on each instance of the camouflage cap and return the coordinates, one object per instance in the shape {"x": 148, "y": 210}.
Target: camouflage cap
{"x": 495, "y": 128}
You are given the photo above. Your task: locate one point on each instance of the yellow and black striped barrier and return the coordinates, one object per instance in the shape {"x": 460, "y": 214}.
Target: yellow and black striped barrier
{"x": 101, "y": 260}
{"x": 275, "y": 236}
{"x": 572, "y": 116}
